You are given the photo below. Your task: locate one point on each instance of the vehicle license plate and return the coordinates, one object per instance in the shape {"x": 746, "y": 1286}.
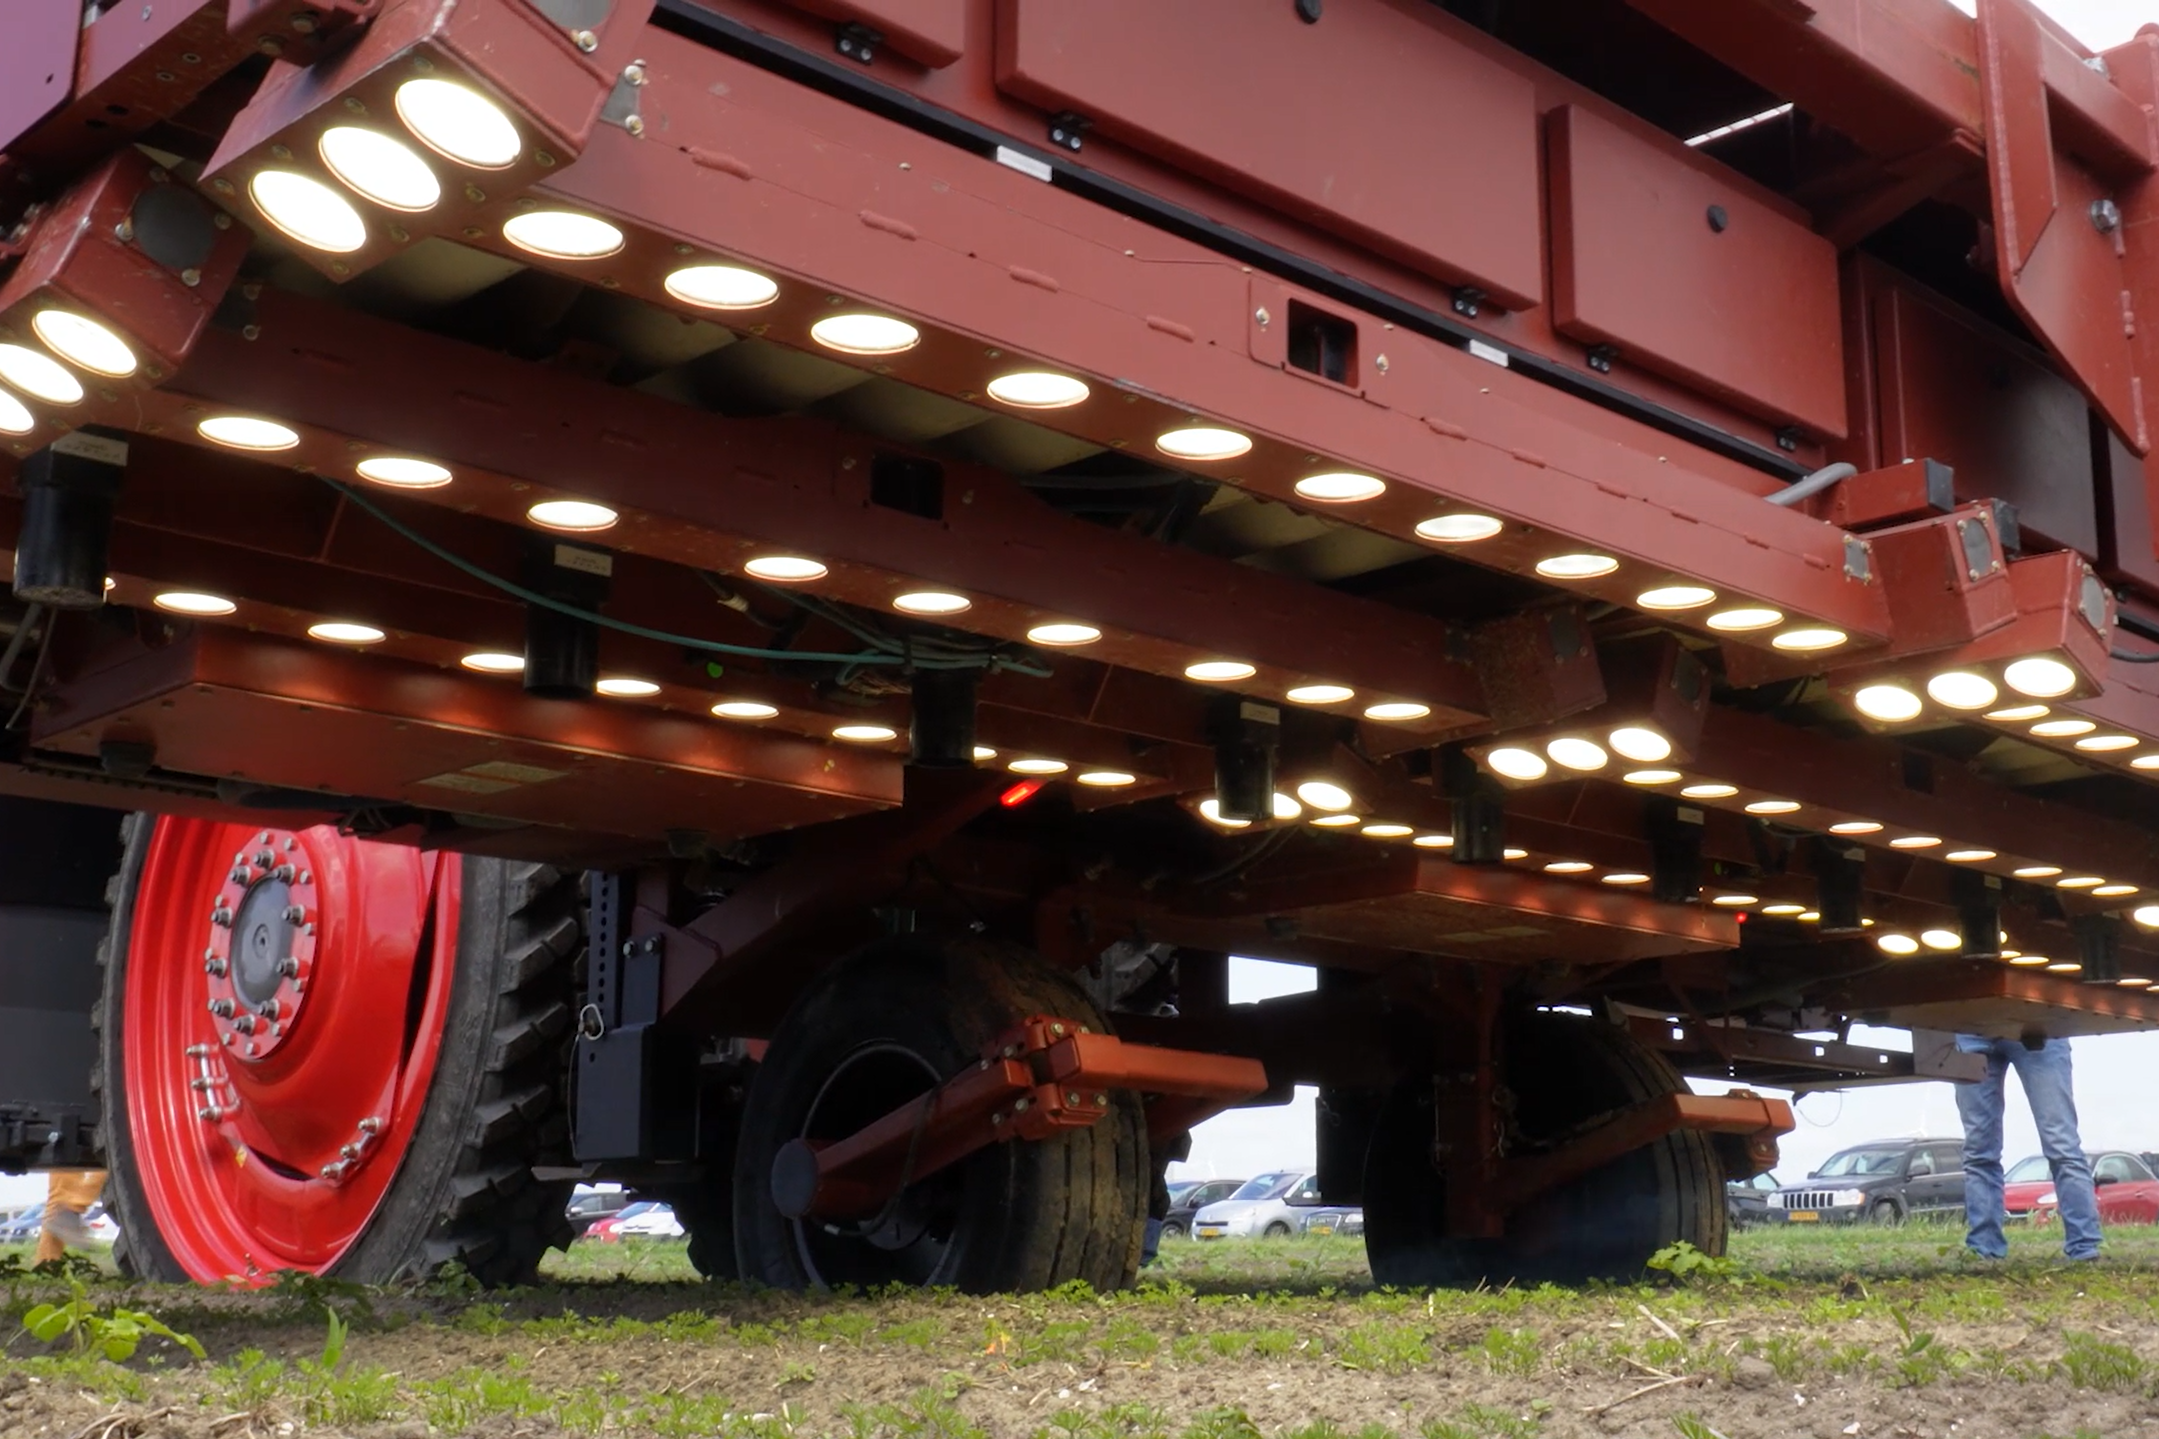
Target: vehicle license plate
{"x": 1803, "y": 1216}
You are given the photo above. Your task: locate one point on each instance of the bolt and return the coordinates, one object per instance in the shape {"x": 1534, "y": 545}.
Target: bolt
{"x": 294, "y": 914}
{"x": 370, "y": 1125}
{"x": 303, "y": 24}
{"x": 284, "y": 872}
{"x": 291, "y": 843}
{"x": 250, "y": 1050}
{"x": 124, "y": 231}
{"x": 222, "y": 1008}
{"x": 191, "y": 277}
{"x": 1262, "y": 317}
{"x": 1072, "y": 1096}
{"x": 1380, "y": 364}
{"x": 332, "y": 1171}
{"x": 635, "y": 73}
{"x": 251, "y": 332}
{"x": 1101, "y": 1101}
{"x": 246, "y": 1025}
{"x": 586, "y": 41}
{"x": 199, "y": 1082}
{"x": 1020, "y": 1104}
{"x": 241, "y": 874}
{"x": 208, "y": 1114}
{"x": 1058, "y": 1030}
{"x": 1719, "y": 219}
{"x": 288, "y": 967}
{"x": 197, "y": 1051}
{"x": 307, "y": 876}
{"x": 216, "y": 968}
{"x": 996, "y": 1120}
{"x": 2106, "y": 216}
{"x": 635, "y": 124}
{"x": 350, "y": 1151}
{"x": 264, "y": 859}
{"x": 267, "y": 1009}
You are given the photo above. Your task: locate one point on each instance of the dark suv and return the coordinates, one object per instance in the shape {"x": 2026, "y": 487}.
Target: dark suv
{"x": 1885, "y": 1182}
{"x": 1179, "y": 1223}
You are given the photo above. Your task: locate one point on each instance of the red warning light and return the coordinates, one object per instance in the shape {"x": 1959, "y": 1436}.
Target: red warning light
{"x": 1020, "y": 793}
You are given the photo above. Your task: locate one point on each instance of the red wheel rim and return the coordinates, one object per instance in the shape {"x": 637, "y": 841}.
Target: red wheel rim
{"x": 284, "y": 1003}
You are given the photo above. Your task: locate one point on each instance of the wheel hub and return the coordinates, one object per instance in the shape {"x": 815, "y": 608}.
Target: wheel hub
{"x": 261, "y": 946}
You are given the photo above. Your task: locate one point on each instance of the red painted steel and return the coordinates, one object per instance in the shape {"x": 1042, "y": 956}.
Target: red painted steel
{"x": 1667, "y": 263}
{"x": 1741, "y": 1113}
{"x": 37, "y": 71}
{"x": 930, "y": 32}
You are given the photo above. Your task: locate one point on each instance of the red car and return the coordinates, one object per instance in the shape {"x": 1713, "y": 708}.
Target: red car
{"x": 2128, "y": 1191}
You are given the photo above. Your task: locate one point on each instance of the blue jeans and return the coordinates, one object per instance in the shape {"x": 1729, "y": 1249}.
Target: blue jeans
{"x": 2044, "y": 1073}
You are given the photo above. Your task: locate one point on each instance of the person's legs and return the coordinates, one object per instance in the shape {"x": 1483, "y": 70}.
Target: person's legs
{"x": 1979, "y": 1105}
{"x": 68, "y": 1192}
{"x": 2045, "y": 1073}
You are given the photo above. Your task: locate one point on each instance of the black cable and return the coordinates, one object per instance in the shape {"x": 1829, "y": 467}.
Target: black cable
{"x": 2149, "y": 657}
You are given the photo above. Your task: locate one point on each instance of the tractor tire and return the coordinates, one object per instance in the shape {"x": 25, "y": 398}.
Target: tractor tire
{"x": 390, "y": 1069}
{"x": 1563, "y": 1072}
{"x": 885, "y": 1026}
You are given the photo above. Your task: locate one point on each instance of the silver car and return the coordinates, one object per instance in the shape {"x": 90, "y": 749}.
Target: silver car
{"x": 1267, "y": 1207}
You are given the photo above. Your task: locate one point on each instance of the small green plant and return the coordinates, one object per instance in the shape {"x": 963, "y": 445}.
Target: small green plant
{"x": 1691, "y": 1427}
{"x": 115, "y": 1333}
{"x": 2092, "y": 1363}
{"x": 1512, "y": 1351}
{"x": 1386, "y": 1348}
{"x": 1480, "y": 1421}
{"x": 1684, "y": 1264}
{"x": 1919, "y": 1360}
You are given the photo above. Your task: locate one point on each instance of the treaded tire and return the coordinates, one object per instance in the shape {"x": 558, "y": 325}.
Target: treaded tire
{"x": 1013, "y": 1216}
{"x": 464, "y": 1192}
{"x": 1564, "y": 1072}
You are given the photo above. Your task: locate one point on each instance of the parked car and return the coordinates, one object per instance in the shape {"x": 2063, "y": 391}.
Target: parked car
{"x": 590, "y": 1203}
{"x": 21, "y": 1226}
{"x": 2128, "y": 1191}
{"x": 634, "y": 1221}
{"x": 1885, "y": 1182}
{"x": 1196, "y": 1195}
{"x": 1746, "y": 1201}
{"x": 1334, "y": 1219}
{"x": 102, "y": 1228}
{"x": 1267, "y": 1206}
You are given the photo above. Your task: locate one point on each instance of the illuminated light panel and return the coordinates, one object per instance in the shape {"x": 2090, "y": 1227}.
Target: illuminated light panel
{"x": 1676, "y": 597}
{"x": 1915, "y": 841}
{"x": 1107, "y": 778}
{"x": 1810, "y": 639}
{"x": 1577, "y": 754}
{"x": 494, "y": 662}
{"x": 190, "y": 602}
{"x": 1514, "y": 854}
{"x": 2133, "y": 981}
{"x": 1899, "y": 944}
{"x": 1063, "y": 634}
{"x": 2146, "y": 915}
{"x": 15, "y": 416}
{"x": 623, "y": 687}
{"x": 865, "y": 334}
{"x": 306, "y": 210}
{"x": 2065, "y": 966}
{"x": 2145, "y": 761}
{"x": 1891, "y": 704}
{"x": 1856, "y": 826}
{"x": 1745, "y": 618}
{"x": 2102, "y": 743}
{"x": 1773, "y": 806}
{"x": 2062, "y": 728}
{"x": 1321, "y": 794}
{"x": 39, "y": 376}
{"x": 1943, "y": 939}
{"x": 1462, "y": 529}
{"x": 1337, "y": 821}
{"x": 2037, "y": 871}
{"x": 2031, "y": 961}
{"x": 745, "y": 710}
{"x": 1203, "y": 442}
{"x": 1735, "y": 901}
{"x": 2040, "y": 677}
{"x": 1968, "y": 856}
{"x": 721, "y": 287}
{"x": 2080, "y": 881}
{"x": 1517, "y": 763}
{"x": 1285, "y": 807}
{"x": 1569, "y": 866}
{"x": 1320, "y": 694}
{"x": 563, "y": 235}
{"x": 1626, "y": 877}
{"x": 1038, "y": 390}
{"x": 1783, "y": 910}
{"x": 1434, "y": 841}
{"x": 864, "y": 733}
{"x": 1340, "y": 487}
{"x": 1962, "y": 690}
{"x": 932, "y": 602}
{"x": 244, "y": 432}
{"x": 786, "y": 569}
{"x": 2114, "y": 891}
{"x": 1710, "y": 791}
{"x": 458, "y": 123}
{"x": 2016, "y": 713}
{"x": 983, "y": 752}
{"x": 1396, "y": 710}
{"x": 1640, "y": 744}
{"x": 84, "y": 343}
{"x": 1652, "y": 776}
{"x": 344, "y": 632}
{"x": 379, "y": 168}
{"x": 1211, "y": 811}
{"x": 1576, "y": 566}
{"x": 576, "y": 516}
{"x": 1216, "y": 672}
{"x": 1810, "y": 916}
{"x": 403, "y": 472}
{"x": 1387, "y": 831}
{"x": 1038, "y": 766}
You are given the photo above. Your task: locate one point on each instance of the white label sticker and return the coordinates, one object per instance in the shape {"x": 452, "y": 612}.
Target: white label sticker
{"x": 102, "y": 448}
{"x": 1488, "y": 352}
{"x": 1258, "y": 713}
{"x": 1024, "y": 163}
{"x": 591, "y": 562}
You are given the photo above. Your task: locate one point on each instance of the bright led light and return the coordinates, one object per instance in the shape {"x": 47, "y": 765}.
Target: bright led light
{"x": 983, "y": 752}
{"x": 2146, "y": 915}
{"x": 1735, "y": 901}
{"x": 1203, "y": 442}
{"x": 1709, "y": 791}
{"x": 1652, "y": 776}
{"x": 2040, "y": 677}
{"x": 1219, "y": 671}
{"x": 1516, "y": 763}
{"x": 744, "y": 710}
{"x": 1321, "y": 694}
{"x": 1434, "y": 841}
{"x": 1640, "y": 744}
{"x": 931, "y": 602}
{"x": 2065, "y": 966}
{"x": 2079, "y": 881}
{"x": 785, "y": 569}
{"x": 403, "y": 472}
{"x": 858, "y": 334}
{"x": 2145, "y": 761}
{"x": 1395, "y": 711}
{"x": 1211, "y": 810}
{"x": 622, "y": 687}
{"x": 1915, "y": 841}
{"x": 1336, "y": 821}
{"x": 308, "y": 211}
{"x": 2018, "y": 712}
{"x": 1856, "y": 826}
{"x": 1962, "y": 690}
{"x": 1810, "y": 916}
{"x": 2037, "y": 871}
{"x": 1320, "y": 794}
{"x": 1577, "y": 754}
{"x": 1739, "y": 621}
{"x": 573, "y": 515}
{"x": 721, "y": 287}
{"x": 1941, "y": 939}
{"x": 341, "y": 632}
{"x": 1285, "y": 807}
{"x": 1108, "y": 778}
{"x": 1037, "y": 390}
{"x": 2062, "y": 728}
{"x": 458, "y": 122}
{"x": 1514, "y": 854}
{"x": 380, "y": 168}
{"x": 2134, "y": 981}
{"x": 1891, "y": 704}
{"x": 1968, "y": 856}
{"x": 1784, "y": 909}
{"x": 494, "y": 662}
{"x": 188, "y": 602}
{"x": 563, "y": 235}
{"x": 2030, "y": 961}
{"x": 1387, "y": 831}
{"x": 1810, "y": 639}
{"x": 15, "y": 416}
{"x": 2114, "y": 891}
{"x": 1064, "y": 634}
{"x": 1462, "y": 529}
{"x": 41, "y": 377}
{"x": 1569, "y": 866}
{"x": 1576, "y": 567}
{"x": 1341, "y": 487}
{"x": 1038, "y": 766}
{"x": 84, "y": 343}
{"x": 2101, "y": 743}
{"x": 1896, "y": 943}
{"x": 1676, "y": 597}
{"x": 243, "y": 432}
{"x": 1773, "y": 806}
{"x": 1626, "y": 877}
{"x": 864, "y": 733}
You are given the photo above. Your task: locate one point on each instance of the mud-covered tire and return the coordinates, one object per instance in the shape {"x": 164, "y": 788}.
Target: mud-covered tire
{"x": 1564, "y": 1072}
{"x": 463, "y": 1191}
{"x": 1017, "y": 1216}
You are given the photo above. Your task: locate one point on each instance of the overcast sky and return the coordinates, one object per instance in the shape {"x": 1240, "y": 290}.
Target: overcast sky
{"x": 2101, "y": 24}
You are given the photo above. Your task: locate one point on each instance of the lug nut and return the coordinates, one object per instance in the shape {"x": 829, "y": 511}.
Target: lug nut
{"x": 245, "y": 1024}
{"x": 215, "y": 968}
{"x": 288, "y": 967}
{"x": 267, "y": 1009}
{"x": 241, "y": 874}
{"x": 284, "y": 872}
{"x": 222, "y": 1008}
{"x": 198, "y": 1051}
{"x": 264, "y": 859}
{"x": 294, "y": 914}
{"x": 221, "y": 917}
{"x": 350, "y": 1151}
{"x": 370, "y": 1125}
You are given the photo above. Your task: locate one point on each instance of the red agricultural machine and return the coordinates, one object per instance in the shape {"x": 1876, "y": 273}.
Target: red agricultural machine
{"x": 749, "y": 597}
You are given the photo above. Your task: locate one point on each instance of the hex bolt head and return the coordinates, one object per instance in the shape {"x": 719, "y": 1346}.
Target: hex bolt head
{"x": 1058, "y": 1030}
{"x": 288, "y": 967}
{"x": 222, "y": 1008}
{"x": 207, "y": 1114}
{"x": 370, "y": 1125}
{"x": 241, "y": 874}
{"x": 267, "y": 1009}
{"x": 294, "y": 914}
{"x": 586, "y": 41}
{"x": 264, "y": 859}
{"x": 2106, "y": 216}
{"x": 1072, "y": 1096}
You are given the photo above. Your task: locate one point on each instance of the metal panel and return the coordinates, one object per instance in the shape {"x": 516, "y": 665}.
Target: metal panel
{"x": 1691, "y": 276}
{"x": 933, "y": 32}
{"x": 49, "y": 977}
{"x": 1369, "y": 121}
{"x": 37, "y": 69}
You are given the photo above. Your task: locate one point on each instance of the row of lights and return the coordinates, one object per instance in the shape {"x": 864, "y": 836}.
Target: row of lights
{"x": 84, "y": 343}
{"x": 1638, "y": 743}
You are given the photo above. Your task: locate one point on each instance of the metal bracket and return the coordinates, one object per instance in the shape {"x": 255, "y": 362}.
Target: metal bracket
{"x": 1066, "y": 129}
{"x": 620, "y": 107}
{"x": 858, "y": 42}
{"x": 1469, "y": 302}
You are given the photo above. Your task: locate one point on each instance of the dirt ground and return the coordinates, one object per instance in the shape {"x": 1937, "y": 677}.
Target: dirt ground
{"x": 1862, "y": 1334}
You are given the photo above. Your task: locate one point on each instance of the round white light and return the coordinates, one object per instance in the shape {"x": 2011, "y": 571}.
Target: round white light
{"x": 1736, "y": 901}
{"x": 39, "y": 376}
{"x": 864, "y": 733}
{"x": 2062, "y": 728}
{"x": 15, "y": 416}
{"x": 307, "y": 210}
{"x": 1856, "y": 826}
{"x": 562, "y": 234}
{"x": 1810, "y": 639}
{"x": 2028, "y": 960}
{"x": 1578, "y": 754}
{"x": 1569, "y": 866}
{"x": 1064, "y": 634}
{"x": 1751, "y": 617}
{"x": 1038, "y": 766}
{"x": 2146, "y": 915}
{"x": 1321, "y": 694}
{"x": 403, "y": 471}
{"x": 1387, "y": 831}
{"x": 1782, "y": 910}
{"x": 931, "y": 602}
{"x": 1336, "y": 821}
{"x": 1676, "y": 597}
{"x": 1640, "y": 744}
{"x": 1320, "y": 794}
{"x": 188, "y": 602}
{"x": 494, "y": 662}
{"x": 1514, "y": 854}
{"x": 2145, "y": 761}
{"x": 1517, "y": 763}
{"x": 1652, "y": 776}
{"x": 859, "y": 334}
{"x": 624, "y": 688}
{"x": 1626, "y": 877}
{"x": 721, "y": 287}
{"x": 84, "y": 343}
{"x": 1219, "y": 671}
{"x": 1037, "y": 390}
{"x": 1340, "y": 487}
{"x": 2037, "y": 871}
{"x": 1108, "y": 778}
{"x": 1395, "y": 711}
{"x": 785, "y": 569}
{"x": 458, "y": 122}
{"x": 244, "y": 432}
{"x": 1462, "y": 529}
{"x": 1896, "y": 944}
{"x": 1434, "y": 841}
{"x": 1576, "y": 567}
{"x": 983, "y": 752}
{"x": 1962, "y": 690}
{"x": 1891, "y": 704}
{"x": 1211, "y": 810}
{"x": 1968, "y": 856}
{"x": 573, "y": 515}
{"x": 2065, "y": 966}
{"x": 380, "y": 168}
{"x": 2040, "y": 677}
{"x": 1944, "y": 939}
{"x": 2018, "y": 712}
{"x": 2114, "y": 891}
{"x": 1203, "y": 442}
{"x": 744, "y": 710}
{"x": 2079, "y": 881}
{"x": 2101, "y": 743}
{"x": 1774, "y": 806}
{"x": 1709, "y": 791}
{"x": 1915, "y": 841}
{"x": 342, "y": 632}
